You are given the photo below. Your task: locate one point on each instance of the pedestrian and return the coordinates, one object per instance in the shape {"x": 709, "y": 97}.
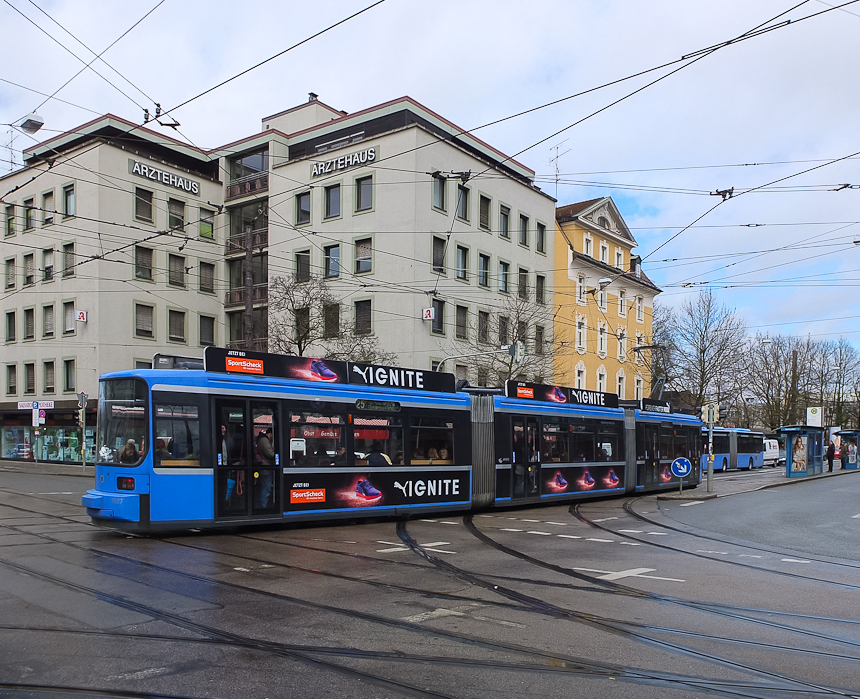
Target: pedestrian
{"x": 266, "y": 451}
{"x": 843, "y": 453}
{"x": 831, "y": 454}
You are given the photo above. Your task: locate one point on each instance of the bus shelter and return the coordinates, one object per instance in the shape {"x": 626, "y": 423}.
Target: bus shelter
{"x": 850, "y": 437}
{"x": 804, "y": 450}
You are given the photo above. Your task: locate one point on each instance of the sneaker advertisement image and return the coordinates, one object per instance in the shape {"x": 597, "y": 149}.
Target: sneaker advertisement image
{"x": 577, "y": 479}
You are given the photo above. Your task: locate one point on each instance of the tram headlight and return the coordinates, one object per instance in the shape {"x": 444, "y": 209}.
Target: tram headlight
{"x": 124, "y": 483}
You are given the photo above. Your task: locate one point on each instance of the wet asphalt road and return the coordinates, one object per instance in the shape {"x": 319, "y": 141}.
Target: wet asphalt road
{"x": 749, "y": 595}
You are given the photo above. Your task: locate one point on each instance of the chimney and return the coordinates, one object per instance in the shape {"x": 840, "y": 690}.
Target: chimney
{"x": 636, "y": 265}
{"x": 312, "y": 96}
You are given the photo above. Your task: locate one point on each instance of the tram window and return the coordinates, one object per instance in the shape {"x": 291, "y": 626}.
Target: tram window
{"x": 682, "y": 447}
{"x": 432, "y": 441}
{"x": 607, "y": 447}
{"x": 666, "y": 443}
{"x": 317, "y": 440}
{"x": 177, "y": 435}
{"x": 122, "y": 421}
{"x": 265, "y": 435}
{"x": 378, "y": 440}
{"x": 554, "y": 447}
{"x": 233, "y": 449}
{"x": 581, "y": 443}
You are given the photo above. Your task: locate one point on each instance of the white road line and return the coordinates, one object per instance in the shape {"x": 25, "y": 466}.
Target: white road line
{"x": 855, "y": 516}
{"x": 510, "y": 530}
{"x": 558, "y": 524}
{"x": 499, "y": 621}
{"x": 793, "y": 560}
{"x": 568, "y": 536}
{"x": 397, "y": 548}
{"x": 718, "y": 553}
{"x": 442, "y": 522}
{"x": 656, "y": 533}
{"x": 604, "y": 519}
{"x": 625, "y": 573}
{"x": 430, "y": 520}
{"x": 435, "y": 614}
{"x": 690, "y": 504}
{"x": 243, "y": 570}
{"x": 657, "y": 577}
{"x": 750, "y": 555}
{"x": 58, "y": 493}
{"x": 394, "y": 550}
{"x": 529, "y": 520}
{"x": 603, "y": 541}
{"x": 630, "y": 531}
{"x": 541, "y": 533}
{"x": 630, "y": 543}
{"x": 435, "y": 543}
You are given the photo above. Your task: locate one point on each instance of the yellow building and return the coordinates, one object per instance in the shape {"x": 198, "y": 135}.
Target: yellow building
{"x": 604, "y": 301}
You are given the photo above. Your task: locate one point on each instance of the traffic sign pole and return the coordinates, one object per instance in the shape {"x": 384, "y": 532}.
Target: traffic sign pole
{"x": 82, "y": 404}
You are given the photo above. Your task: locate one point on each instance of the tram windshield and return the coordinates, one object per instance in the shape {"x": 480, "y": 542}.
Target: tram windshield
{"x": 122, "y": 422}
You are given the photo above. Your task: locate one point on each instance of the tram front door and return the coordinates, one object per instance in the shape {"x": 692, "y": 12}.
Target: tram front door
{"x": 652, "y": 455}
{"x": 248, "y": 458}
{"x": 525, "y": 465}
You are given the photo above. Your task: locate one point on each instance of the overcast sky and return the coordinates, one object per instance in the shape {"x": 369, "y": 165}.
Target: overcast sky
{"x": 732, "y": 119}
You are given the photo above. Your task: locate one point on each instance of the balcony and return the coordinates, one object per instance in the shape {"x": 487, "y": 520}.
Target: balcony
{"x": 248, "y": 185}
{"x": 236, "y": 297}
{"x": 236, "y": 243}
{"x": 260, "y": 344}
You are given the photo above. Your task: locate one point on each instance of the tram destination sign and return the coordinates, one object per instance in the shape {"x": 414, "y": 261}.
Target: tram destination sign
{"x": 241, "y": 362}
{"x": 560, "y": 394}
{"x": 656, "y": 406}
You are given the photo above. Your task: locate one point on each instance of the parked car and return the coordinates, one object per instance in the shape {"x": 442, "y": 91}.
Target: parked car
{"x": 771, "y": 452}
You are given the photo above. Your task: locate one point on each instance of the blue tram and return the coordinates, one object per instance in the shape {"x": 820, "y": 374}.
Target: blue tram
{"x": 734, "y": 447}
{"x": 260, "y": 438}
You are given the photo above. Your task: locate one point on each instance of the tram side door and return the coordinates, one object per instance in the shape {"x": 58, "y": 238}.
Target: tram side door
{"x": 247, "y": 449}
{"x": 525, "y": 457}
{"x": 652, "y": 454}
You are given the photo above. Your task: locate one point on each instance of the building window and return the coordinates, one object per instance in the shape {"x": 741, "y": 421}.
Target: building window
{"x": 588, "y": 246}
{"x": 504, "y": 222}
{"x": 620, "y": 386}
{"x": 10, "y": 326}
{"x": 601, "y": 340}
{"x": 69, "y": 200}
{"x": 523, "y": 285}
{"x": 175, "y": 214}
{"x": 540, "y": 288}
{"x": 483, "y": 270}
{"x": 638, "y": 387}
{"x": 601, "y": 299}
{"x": 604, "y": 252}
{"x": 483, "y": 326}
{"x": 69, "y": 260}
{"x": 637, "y": 356}
{"x": 439, "y": 255}
{"x": 462, "y": 263}
{"x": 619, "y": 259}
{"x": 29, "y": 323}
{"x": 143, "y": 204}
{"x": 29, "y": 214}
{"x": 10, "y": 220}
{"x": 503, "y": 330}
{"x": 603, "y": 223}
{"x": 601, "y": 381}
{"x": 69, "y": 375}
{"x": 29, "y": 270}
{"x": 483, "y": 376}
{"x": 332, "y": 201}
{"x": 439, "y": 183}
{"x": 363, "y": 256}
{"x": 303, "y": 208}
{"x": 331, "y": 261}
{"x": 143, "y": 320}
{"x": 580, "y": 378}
{"x": 47, "y": 265}
{"x": 143, "y": 263}
{"x": 207, "y": 331}
{"x": 504, "y": 269}
{"x": 206, "y": 224}
{"x": 176, "y": 326}
{"x": 484, "y": 214}
{"x": 539, "y": 340}
{"x": 580, "y": 289}
{"x": 364, "y": 193}
{"x": 524, "y": 230}
{"x": 580, "y": 334}
{"x": 522, "y": 330}
{"x": 29, "y": 379}
{"x": 47, "y": 321}
{"x": 640, "y": 309}
{"x": 47, "y": 209}
{"x": 11, "y": 379}
{"x": 176, "y": 264}
{"x": 462, "y": 323}
{"x": 302, "y": 317}
{"x": 622, "y": 345}
{"x": 303, "y": 266}
{"x": 10, "y": 273}
{"x": 541, "y": 238}
{"x": 438, "y": 324}
{"x": 622, "y": 303}
{"x": 207, "y": 277}
{"x": 331, "y": 320}
{"x": 462, "y": 202}
{"x": 68, "y": 317}
{"x": 363, "y": 324}
{"x": 49, "y": 377}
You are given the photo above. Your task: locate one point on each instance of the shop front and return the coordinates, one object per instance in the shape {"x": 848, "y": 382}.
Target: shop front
{"x": 57, "y": 437}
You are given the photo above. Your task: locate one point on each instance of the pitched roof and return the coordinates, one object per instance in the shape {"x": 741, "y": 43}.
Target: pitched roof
{"x": 571, "y": 210}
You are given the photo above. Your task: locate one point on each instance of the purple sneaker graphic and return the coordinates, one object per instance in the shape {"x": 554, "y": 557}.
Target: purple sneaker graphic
{"x": 557, "y": 395}
{"x": 365, "y": 491}
{"x": 611, "y": 479}
{"x": 321, "y": 372}
{"x": 559, "y": 480}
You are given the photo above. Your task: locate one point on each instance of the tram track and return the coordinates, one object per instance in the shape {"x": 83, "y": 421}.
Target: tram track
{"x": 535, "y": 605}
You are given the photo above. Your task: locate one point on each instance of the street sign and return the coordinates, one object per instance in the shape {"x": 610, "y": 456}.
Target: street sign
{"x": 681, "y": 467}
{"x": 39, "y": 404}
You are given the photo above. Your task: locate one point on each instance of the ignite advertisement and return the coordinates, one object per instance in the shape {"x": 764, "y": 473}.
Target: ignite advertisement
{"x": 330, "y": 491}
{"x": 567, "y": 480}
{"x": 560, "y": 394}
{"x": 324, "y": 370}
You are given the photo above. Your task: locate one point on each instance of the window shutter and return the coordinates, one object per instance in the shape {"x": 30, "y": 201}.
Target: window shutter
{"x": 69, "y": 259}
{"x": 28, "y": 269}
{"x": 362, "y": 317}
{"x": 207, "y": 330}
{"x": 331, "y": 320}
{"x": 177, "y": 325}
{"x": 177, "y": 270}
{"x": 49, "y": 376}
{"x": 48, "y": 317}
{"x": 438, "y": 255}
{"x": 143, "y": 320}
{"x": 207, "y": 277}
{"x": 69, "y": 317}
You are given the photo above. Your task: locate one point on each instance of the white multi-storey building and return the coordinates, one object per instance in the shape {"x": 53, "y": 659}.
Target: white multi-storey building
{"x": 119, "y": 243}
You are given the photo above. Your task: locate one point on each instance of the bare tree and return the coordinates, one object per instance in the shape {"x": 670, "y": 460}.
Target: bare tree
{"x": 306, "y": 318}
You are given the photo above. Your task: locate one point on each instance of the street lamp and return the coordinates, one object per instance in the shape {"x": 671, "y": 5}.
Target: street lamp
{"x": 30, "y": 124}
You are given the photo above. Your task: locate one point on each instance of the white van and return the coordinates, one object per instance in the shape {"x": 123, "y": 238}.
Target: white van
{"x": 771, "y": 452}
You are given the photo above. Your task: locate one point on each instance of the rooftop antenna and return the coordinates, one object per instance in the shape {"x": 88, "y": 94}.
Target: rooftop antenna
{"x": 11, "y": 146}
{"x": 554, "y": 161}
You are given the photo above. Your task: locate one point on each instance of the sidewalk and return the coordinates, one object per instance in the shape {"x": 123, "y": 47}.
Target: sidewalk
{"x": 47, "y": 468}
{"x": 745, "y": 482}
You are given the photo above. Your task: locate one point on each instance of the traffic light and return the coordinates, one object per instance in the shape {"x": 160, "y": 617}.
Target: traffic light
{"x": 706, "y": 413}
{"x": 518, "y": 351}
